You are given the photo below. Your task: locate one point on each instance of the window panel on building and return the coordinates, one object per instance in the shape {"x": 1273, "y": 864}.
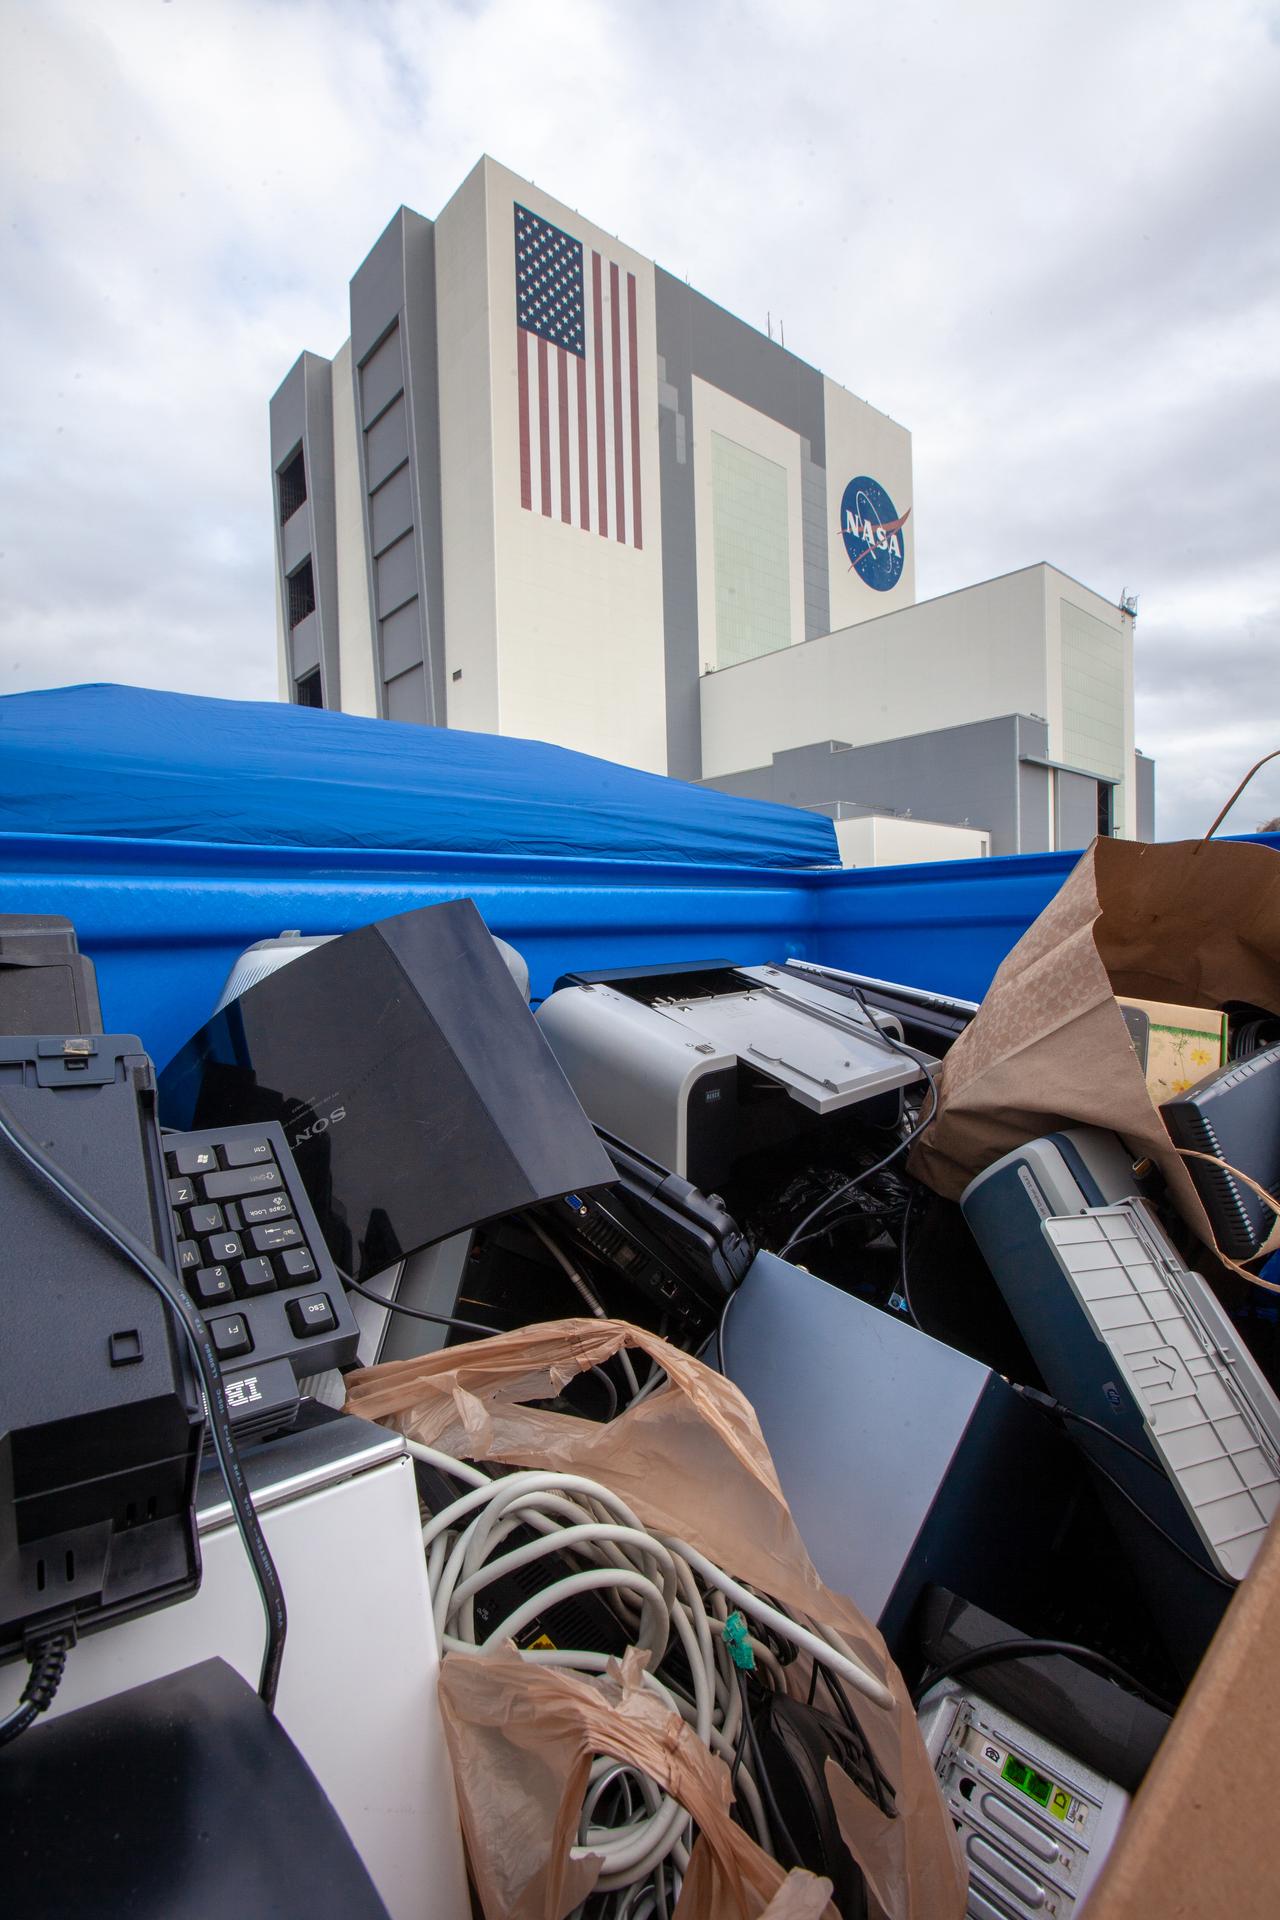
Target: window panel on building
{"x": 302, "y": 594}
{"x": 1092, "y": 693}
{"x": 292, "y": 483}
{"x": 751, "y": 551}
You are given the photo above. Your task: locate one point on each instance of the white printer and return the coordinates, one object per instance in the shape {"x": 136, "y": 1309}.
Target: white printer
{"x": 701, "y": 1063}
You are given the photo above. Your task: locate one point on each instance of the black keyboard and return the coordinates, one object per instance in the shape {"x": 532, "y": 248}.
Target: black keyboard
{"x": 252, "y": 1257}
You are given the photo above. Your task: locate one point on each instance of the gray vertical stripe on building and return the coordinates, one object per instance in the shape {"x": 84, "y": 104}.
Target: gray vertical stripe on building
{"x": 394, "y": 376}
{"x": 301, "y": 417}
{"x": 1144, "y": 774}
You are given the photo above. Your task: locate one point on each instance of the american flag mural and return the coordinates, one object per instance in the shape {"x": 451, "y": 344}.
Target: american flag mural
{"x": 577, "y": 383}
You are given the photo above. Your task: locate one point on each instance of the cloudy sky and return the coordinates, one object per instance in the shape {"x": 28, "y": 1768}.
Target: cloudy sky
{"x": 1046, "y": 237}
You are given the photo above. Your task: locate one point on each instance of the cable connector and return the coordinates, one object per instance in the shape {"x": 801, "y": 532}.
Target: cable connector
{"x": 1044, "y": 1400}
{"x": 47, "y": 1652}
{"x": 736, "y": 1637}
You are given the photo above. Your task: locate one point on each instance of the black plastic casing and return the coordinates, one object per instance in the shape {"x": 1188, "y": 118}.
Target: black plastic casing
{"x": 46, "y": 984}
{"x": 101, "y": 1417}
{"x": 415, "y": 1089}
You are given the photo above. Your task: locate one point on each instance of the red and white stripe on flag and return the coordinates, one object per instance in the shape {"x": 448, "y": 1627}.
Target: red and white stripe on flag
{"x": 580, "y": 414}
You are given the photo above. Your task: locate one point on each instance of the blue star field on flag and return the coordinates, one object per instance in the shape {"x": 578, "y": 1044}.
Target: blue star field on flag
{"x": 549, "y": 299}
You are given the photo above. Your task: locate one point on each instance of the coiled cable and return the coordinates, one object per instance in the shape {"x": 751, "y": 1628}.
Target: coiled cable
{"x": 700, "y": 1627}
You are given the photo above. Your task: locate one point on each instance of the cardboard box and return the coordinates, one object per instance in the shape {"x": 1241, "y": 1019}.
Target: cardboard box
{"x": 1202, "y": 1838}
{"x": 1176, "y": 1045}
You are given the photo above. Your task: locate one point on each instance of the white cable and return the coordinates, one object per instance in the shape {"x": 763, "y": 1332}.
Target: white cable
{"x": 653, "y": 1586}
{"x": 841, "y": 1660}
{"x": 456, "y": 1469}
{"x": 658, "y": 1378}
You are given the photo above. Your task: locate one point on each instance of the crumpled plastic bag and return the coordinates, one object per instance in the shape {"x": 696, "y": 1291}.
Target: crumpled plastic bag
{"x": 522, "y": 1739}
{"x": 690, "y": 1459}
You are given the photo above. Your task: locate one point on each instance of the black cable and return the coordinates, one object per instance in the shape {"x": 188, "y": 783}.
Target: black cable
{"x": 1001, "y": 1650}
{"x": 922, "y": 1121}
{"x": 48, "y": 1659}
{"x": 465, "y": 1326}
{"x": 740, "y": 1747}
{"x": 884, "y": 1796}
{"x": 1116, "y": 1439}
{"x": 777, "y": 1825}
{"x": 903, "y": 1287}
{"x": 1049, "y": 1405}
{"x": 417, "y": 1313}
{"x": 1208, "y": 1573}
{"x": 850, "y": 1215}
{"x": 209, "y": 1368}
{"x": 908, "y": 1139}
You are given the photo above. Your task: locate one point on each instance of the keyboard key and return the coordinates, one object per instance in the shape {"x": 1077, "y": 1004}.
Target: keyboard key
{"x": 256, "y": 1276}
{"x": 210, "y": 1285}
{"x": 312, "y": 1313}
{"x": 204, "y": 1220}
{"x": 221, "y": 1247}
{"x": 182, "y": 1192}
{"x": 188, "y": 1254}
{"x": 246, "y": 1153}
{"x": 297, "y": 1264}
{"x": 230, "y": 1335}
{"x": 264, "y": 1206}
{"x": 229, "y": 1186}
{"x": 275, "y": 1235}
{"x": 194, "y": 1160}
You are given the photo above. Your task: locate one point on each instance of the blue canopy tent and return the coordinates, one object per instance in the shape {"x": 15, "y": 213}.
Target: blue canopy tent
{"x": 173, "y": 831}
{"x": 112, "y": 761}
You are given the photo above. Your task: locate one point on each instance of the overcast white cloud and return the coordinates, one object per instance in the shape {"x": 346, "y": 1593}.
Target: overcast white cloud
{"x": 1046, "y": 238}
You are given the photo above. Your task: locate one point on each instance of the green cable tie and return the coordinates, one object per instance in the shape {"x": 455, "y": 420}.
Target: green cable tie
{"x": 734, "y": 1635}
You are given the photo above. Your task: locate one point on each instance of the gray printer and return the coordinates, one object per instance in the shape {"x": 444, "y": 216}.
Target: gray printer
{"x": 697, "y": 1063}
{"x": 1131, "y": 1341}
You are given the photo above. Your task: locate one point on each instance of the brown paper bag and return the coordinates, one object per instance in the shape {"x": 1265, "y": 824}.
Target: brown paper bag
{"x": 1196, "y": 922}
{"x": 522, "y": 1739}
{"x": 691, "y": 1461}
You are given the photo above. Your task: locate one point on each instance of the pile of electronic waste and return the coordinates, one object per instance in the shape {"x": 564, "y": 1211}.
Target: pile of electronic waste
{"x": 1028, "y": 1436}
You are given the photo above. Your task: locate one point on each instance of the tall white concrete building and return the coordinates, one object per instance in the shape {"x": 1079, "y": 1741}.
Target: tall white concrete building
{"x": 547, "y": 489}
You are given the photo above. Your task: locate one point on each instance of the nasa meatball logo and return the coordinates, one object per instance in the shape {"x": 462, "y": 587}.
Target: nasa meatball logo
{"x": 874, "y": 533}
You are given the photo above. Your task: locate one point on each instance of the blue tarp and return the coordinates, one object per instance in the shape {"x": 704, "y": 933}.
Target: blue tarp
{"x": 129, "y": 762}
